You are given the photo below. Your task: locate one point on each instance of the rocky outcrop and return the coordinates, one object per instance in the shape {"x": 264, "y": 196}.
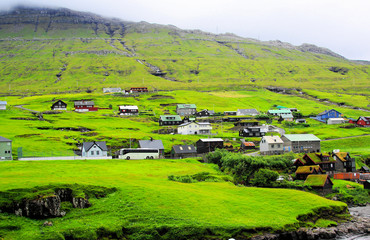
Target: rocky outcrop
{"x": 358, "y": 226}
{"x": 47, "y": 206}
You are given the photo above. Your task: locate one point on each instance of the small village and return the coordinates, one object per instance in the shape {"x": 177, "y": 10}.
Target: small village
{"x": 314, "y": 167}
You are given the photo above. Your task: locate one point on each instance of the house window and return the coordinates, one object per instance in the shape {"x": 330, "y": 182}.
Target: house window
{"x": 92, "y": 152}
{"x": 272, "y": 145}
{"x": 97, "y": 152}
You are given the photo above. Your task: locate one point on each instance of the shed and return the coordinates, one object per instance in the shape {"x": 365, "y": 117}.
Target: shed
{"x": 169, "y": 120}
{"x": 248, "y": 145}
{"x": 209, "y": 144}
{"x": 331, "y": 121}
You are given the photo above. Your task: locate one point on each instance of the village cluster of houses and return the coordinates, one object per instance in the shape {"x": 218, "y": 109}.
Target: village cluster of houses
{"x": 314, "y": 167}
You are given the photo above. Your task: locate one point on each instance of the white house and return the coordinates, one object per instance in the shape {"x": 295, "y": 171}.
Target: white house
{"x": 336, "y": 121}
{"x": 94, "y": 149}
{"x": 3, "y": 105}
{"x": 128, "y": 110}
{"x": 271, "y": 145}
{"x": 194, "y": 128}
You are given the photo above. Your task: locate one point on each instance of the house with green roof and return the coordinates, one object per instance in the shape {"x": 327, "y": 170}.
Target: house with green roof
{"x": 280, "y": 112}
{"x": 303, "y": 171}
{"x": 165, "y": 120}
{"x": 325, "y": 161}
{"x": 301, "y": 143}
{"x": 320, "y": 183}
{"x": 186, "y": 109}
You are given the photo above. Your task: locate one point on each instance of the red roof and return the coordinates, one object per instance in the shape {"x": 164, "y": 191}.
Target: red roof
{"x": 249, "y": 144}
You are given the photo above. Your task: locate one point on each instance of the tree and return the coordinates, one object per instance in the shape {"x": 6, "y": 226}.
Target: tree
{"x": 264, "y": 177}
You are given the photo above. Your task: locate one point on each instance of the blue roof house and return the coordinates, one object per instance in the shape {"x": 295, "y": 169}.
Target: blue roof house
{"x": 325, "y": 115}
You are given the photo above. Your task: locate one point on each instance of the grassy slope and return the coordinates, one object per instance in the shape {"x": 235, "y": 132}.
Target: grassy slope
{"x": 146, "y": 199}
{"x": 31, "y": 66}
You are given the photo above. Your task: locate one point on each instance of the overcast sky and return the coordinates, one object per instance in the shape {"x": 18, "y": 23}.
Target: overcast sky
{"x": 340, "y": 25}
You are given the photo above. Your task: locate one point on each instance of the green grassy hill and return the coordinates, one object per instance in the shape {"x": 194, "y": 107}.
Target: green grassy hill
{"x": 51, "y": 51}
{"x": 149, "y": 206}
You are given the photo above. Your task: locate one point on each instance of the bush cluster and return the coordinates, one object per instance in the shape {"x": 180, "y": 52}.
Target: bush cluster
{"x": 243, "y": 168}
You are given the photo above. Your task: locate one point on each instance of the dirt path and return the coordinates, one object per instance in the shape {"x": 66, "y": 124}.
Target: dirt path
{"x": 21, "y": 107}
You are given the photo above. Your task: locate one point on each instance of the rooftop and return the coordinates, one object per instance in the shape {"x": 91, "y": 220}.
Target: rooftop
{"x": 317, "y": 180}
{"x": 2, "y": 139}
{"x": 186, "y": 106}
{"x": 184, "y": 149}
{"x": 307, "y": 169}
{"x": 211, "y": 140}
{"x": 156, "y": 144}
{"x": 170, "y": 118}
{"x": 272, "y": 139}
{"x": 301, "y": 137}
{"x": 101, "y": 145}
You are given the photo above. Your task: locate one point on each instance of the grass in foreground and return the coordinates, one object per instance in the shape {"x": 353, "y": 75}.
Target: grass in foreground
{"x": 148, "y": 205}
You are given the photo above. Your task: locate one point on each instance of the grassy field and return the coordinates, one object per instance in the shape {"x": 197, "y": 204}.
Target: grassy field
{"x": 148, "y": 204}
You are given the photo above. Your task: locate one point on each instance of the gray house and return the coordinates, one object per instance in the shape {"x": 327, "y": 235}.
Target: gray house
{"x": 5, "y": 149}
{"x": 155, "y": 144}
{"x": 301, "y": 143}
{"x": 250, "y": 112}
{"x": 183, "y": 151}
{"x": 94, "y": 149}
{"x": 186, "y": 109}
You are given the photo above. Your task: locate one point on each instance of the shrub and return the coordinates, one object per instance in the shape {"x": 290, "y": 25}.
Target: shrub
{"x": 264, "y": 177}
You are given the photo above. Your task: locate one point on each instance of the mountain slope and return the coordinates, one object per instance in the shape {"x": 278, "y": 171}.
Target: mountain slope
{"x": 59, "y": 50}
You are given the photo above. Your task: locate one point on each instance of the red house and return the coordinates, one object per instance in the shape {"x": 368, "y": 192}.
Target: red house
{"x": 85, "y": 106}
{"x": 138, "y": 89}
{"x": 362, "y": 121}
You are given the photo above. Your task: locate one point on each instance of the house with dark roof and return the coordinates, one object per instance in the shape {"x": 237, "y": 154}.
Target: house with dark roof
{"x": 303, "y": 171}
{"x": 166, "y": 120}
{"x": 247, "y": 112}
{"x": 325, "y": 161}
{"x": 155, "y": 144}
{"x": 209, "y": 145}
{"x": 59, "y": 105}
{"x": 364, "y": 169}
{"x": 186, "y": 109}
{"x": 257, "y": 131}
{"x": 94, "y": 149}
{"x": 183, "y": 151}
{"x": 5, "y": 149}
{"x": 325, "y": 115}
{"x": 320, "y": 183}
{"x": 301, "y": 143}
{"x": 205, "y": 113}
{"x": 344, "y": 162}
{"x": 3, "y": 105}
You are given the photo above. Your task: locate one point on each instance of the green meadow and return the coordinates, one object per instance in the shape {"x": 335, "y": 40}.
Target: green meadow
{"x": 149, "y": 206}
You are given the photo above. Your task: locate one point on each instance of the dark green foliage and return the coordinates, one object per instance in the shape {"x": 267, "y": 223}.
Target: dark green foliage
{"x": 264, "y": 177}
{"x": 198, "y": 177}
{"x": 243, "y": 167}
